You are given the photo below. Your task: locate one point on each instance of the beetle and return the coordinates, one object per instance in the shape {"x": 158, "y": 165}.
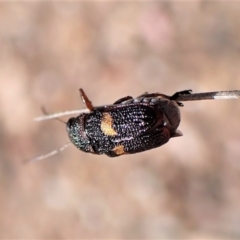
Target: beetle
{"x": 129, "y": 125}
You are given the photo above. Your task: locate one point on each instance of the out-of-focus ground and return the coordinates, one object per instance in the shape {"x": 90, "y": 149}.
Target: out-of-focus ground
{"x": 188, "y": 188}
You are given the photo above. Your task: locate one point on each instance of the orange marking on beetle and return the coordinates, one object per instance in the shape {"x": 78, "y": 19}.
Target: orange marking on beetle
{"x": 119, "y": 150}
{"x": 107, "y": 125}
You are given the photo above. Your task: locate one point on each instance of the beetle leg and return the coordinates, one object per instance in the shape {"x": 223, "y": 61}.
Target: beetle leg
{"x": 146, "y": 94}
{"x": 177, "y": 94}
{"x": 173, "y": 97}
{"x": 85, "y": 100}
{"x": 123, "y": 99}
{"x": 180, "y": 104}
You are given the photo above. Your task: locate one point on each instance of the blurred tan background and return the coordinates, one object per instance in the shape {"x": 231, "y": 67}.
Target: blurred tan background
{"x": 188, "y": 188}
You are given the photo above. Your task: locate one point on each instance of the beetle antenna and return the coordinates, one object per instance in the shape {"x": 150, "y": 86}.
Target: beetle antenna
{"x": 47, "y": 155}
{"x": 46, "y": 113}
{"x": 60, "y": 114}
{"x": 183, "y": 96}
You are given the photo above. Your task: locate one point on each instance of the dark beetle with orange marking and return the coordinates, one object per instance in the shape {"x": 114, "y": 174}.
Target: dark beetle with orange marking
{"x": 130, "y": 125}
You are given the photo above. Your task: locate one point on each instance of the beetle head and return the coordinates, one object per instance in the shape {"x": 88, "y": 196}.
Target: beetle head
{"x": 77, "y": 134}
